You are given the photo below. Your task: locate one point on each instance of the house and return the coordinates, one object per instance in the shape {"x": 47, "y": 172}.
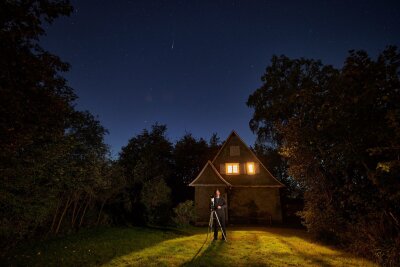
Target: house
{"x": 251, "y": 192}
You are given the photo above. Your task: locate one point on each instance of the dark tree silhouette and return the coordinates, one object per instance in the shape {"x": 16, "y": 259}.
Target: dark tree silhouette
{"x": 53, "y": 160}
{"x": 35, "y": 106}
{"x": 190, "y": 155}
{"x": 339, "y": 130}
{"x": 145, "y": 160}
{"x": 157, "y": 174}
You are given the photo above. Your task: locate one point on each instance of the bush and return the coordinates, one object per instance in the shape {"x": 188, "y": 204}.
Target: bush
{"x": 156, "y": 198}
{"x": 377, "y": 236}
{"x": 184, "y": 214}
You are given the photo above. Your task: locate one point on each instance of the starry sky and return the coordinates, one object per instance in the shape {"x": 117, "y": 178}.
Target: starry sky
{"x": 193, "y": 64}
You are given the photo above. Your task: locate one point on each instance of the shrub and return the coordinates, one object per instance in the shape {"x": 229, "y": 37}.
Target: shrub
{"x": 184, "y": 213}
{"x": 156, "y": 198}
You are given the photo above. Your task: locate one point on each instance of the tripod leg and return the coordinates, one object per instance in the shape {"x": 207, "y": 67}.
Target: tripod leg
{"x": 209, "y": 225}
{"x": 211, "y": 221}
{"x": 222, "y": 230}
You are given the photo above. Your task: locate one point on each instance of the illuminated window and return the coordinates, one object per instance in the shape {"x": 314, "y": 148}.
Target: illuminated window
{"x": 251, "y": 168}
{"x": 232, "y": 168}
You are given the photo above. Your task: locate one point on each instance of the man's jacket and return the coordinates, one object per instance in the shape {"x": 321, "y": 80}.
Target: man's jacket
{"x": 220, "y": 212}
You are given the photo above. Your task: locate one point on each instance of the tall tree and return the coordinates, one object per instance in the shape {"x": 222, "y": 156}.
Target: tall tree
{"x": 54, "y": 163}
{"x": 35, "y": 107}
{"x": 146, "y": 159}
{"x": 35, "y": 98}
{"x": 190, "y": 155}
{"x": 81, "y": 171}
{"x": 214, "y": 144}
{"x": 339, "y": 130}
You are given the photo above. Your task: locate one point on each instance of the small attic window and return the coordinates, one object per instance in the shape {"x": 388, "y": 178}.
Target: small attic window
{"x": 234, "y": 151}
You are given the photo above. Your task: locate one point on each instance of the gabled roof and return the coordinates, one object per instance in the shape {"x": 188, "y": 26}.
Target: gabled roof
{"x": 233, "y": 133}
{"x": 209, "y": 176}
{"x": 264, "y": 179}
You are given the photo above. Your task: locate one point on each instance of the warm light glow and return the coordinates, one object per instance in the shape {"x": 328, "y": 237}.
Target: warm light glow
{"x": 232, "y": 168}
{"x": 250, "y": 168}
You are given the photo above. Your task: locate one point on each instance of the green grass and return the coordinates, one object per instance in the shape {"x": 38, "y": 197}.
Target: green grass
{"x": 161, "y": 247}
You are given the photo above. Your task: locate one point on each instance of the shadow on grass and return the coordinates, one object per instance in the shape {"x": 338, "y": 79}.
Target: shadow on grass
{"x": 178, "y": 231}
{"x": 319, "y": 260}
{"x": 310, "y": 260}
{"x": 209, "y": 257}
{"x": 209, "y": 238}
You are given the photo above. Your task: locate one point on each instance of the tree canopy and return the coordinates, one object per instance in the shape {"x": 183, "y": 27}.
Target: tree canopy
{"x": 54, "y": 165}
{"x": 340, "y": 132}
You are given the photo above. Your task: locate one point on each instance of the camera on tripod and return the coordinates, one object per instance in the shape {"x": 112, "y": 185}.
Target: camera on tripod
{"x": 212, "y": 202}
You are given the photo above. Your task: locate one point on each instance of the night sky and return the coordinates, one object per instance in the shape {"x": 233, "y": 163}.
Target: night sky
{"x": 193, "y": 64}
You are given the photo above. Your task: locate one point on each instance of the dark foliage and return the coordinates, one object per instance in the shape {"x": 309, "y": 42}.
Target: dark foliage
{"x": 145, "y": 160}
{"x": 158, "y": 173}
{"x": 54, "y": 167}
{"x": 190, "y": 155}
{"x": 184, "y": 213}
{"x": 292, "y": 195}
{"x": 339, "y": 131}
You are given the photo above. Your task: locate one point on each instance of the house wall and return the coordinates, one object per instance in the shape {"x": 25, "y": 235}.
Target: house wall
{"x": 246, "y": 205}
{"x": 251, "y": 205}
{"x": 202, "y": 202}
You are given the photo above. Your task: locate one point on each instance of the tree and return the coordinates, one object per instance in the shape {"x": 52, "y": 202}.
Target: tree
{"x": 35, "y": 106}
{"x": 53, "y": 160}
{"x": 214, "y": 146}
{"x": 146, "y": 157}
{"x": 278, "y": 166}
{"x": 189, "y": 155}
{"x": 35, "y": 98}
{"x": 81, "y": 171}
{"x": 156, "y": 198}
{"x": 339, "y": 130}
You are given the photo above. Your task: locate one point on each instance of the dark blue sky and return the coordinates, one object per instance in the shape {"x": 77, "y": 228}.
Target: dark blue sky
{"x": 192, "y": 64}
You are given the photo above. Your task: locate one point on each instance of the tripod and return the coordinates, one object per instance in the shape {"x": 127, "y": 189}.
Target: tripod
{"x": 210, "y": 225}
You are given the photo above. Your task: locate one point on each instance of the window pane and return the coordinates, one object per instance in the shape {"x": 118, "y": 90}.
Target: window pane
{"x": 250, "y": 168}
{"x": 229, "y": 168}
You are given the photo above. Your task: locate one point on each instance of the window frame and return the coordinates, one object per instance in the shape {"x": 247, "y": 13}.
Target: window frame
{"x": 232, "y": 164}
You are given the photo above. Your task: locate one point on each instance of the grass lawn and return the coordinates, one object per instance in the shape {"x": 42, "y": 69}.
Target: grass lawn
{"x": 250, "y": 246}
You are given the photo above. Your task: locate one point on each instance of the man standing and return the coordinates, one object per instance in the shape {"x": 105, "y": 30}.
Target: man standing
{"x": 220, "y": 205}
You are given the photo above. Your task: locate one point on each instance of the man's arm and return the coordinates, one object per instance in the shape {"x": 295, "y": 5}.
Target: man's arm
{"x": 222, "y": 203}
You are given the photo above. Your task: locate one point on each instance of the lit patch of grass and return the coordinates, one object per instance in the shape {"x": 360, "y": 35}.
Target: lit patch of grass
{"x": 163, "y": 247}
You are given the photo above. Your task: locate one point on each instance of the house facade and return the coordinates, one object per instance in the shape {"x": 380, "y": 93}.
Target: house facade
{"x": 251, "y": 192}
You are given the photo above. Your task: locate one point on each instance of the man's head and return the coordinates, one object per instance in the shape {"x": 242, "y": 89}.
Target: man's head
{"x": 217, "y": 193}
